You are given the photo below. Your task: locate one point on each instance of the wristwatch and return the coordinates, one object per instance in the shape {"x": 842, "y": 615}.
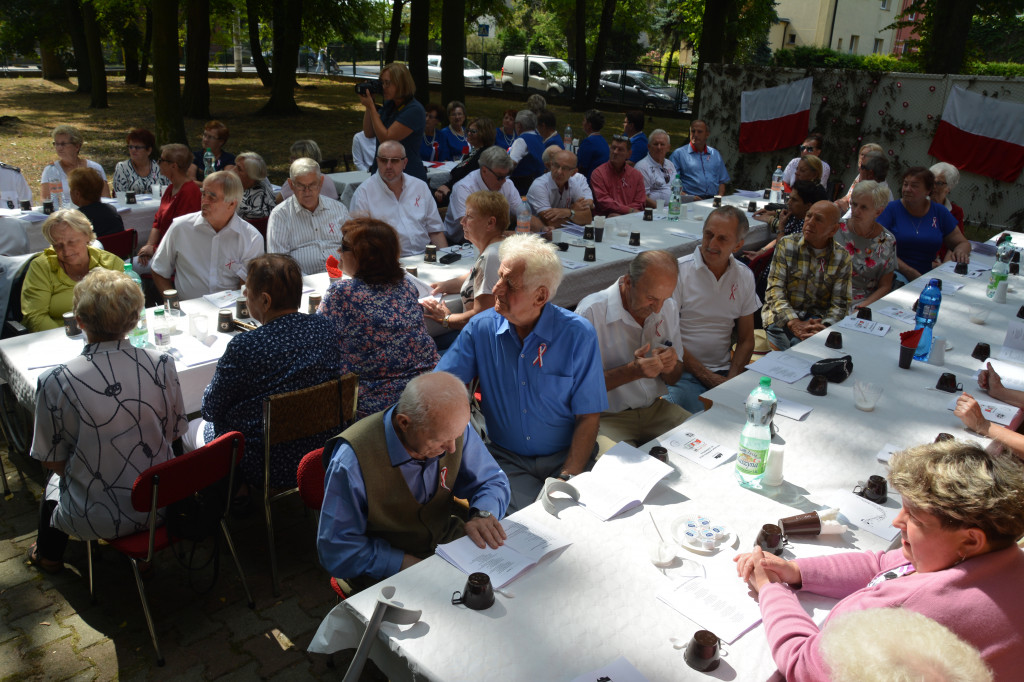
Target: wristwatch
{"x": 479, "y": 513}
{"x": 572, "y": 213}
{"x": 564, "y": 476}
{"x": 444, "y": 322}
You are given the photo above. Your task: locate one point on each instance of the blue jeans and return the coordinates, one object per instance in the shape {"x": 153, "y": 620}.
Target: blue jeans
{"x": 781, "y": 337}
{"x": 685, "y": 392}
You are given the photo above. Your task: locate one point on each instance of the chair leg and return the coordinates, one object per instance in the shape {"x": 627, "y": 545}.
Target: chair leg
{"x": 145, "y": 610}
{"x": 270, "y": 546}
{"x": 88, "y": 556}
{"x": 238, "y": 564}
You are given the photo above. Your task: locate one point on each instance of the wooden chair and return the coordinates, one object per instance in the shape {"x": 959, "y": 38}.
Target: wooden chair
{"x": 261, "y": 226}
{"x": 300, "y": 414}
{"x": 165, "y": 484}
{"x": 121, "y": 244}
{"x": 328, "y": 165}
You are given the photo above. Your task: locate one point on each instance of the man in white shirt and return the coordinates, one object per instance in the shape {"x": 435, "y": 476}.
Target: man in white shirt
{"x": 715, "y": 294}
{"x": 363, "y": 148}
{"x": 657, "y": 170}
{"x": 561, "y": 195}
{"x": 402, "y": 201}
{"x": 13, "y": 186}
{"x": 810, "y": 147}
{"x": 306, "y": 225}
{"x": 638, "y": 332}
{"x": 495, "y": 167}
{"x": 210, "y": 250}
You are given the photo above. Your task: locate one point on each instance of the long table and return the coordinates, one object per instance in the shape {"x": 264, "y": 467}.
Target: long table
{"x": 581, "y": 608}
{"x": 138, "y": 217}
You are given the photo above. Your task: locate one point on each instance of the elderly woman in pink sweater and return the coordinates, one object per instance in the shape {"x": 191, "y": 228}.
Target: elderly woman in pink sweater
{"x": 963, "y": 511}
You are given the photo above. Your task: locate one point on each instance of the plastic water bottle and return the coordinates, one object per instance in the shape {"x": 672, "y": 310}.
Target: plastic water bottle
{"x": 927, "y": 314}
{"x": 161, "y": 330}
{"x": 756, "y": 436}
{"x": 567, "y": 137}
{"x": 128, "y": 270}
{"x": 139, "y": 334}
{"x": 1001, "y": 268}
{"x": 208, "y": 161}
{"x": 523, "y": 218}
{"x": 676, "y": 199}
{"x": 777, "y": 185}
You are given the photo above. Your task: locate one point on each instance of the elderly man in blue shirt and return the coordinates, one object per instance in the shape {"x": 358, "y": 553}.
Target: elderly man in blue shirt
{"x": 540, "y": 372}
{"x": 382, "y": 514}
{"x": 700, "y": 166}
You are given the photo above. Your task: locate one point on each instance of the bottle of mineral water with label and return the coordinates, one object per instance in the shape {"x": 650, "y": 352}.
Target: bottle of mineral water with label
{"x": 927, "y": 314}
{"x": 523, "y": 218}
{"x": 567, "y": 137}
{"x": 777, "y": 185}
{"x": 675, "y": 200}
{"x": 756, "y": 436}
{"x": 161, "y": 330}
{"x": 208, "y": 162}
{"x": 1001, "y": 268}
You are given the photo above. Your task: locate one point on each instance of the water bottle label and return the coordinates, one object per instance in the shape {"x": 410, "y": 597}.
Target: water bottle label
{"x": 162, "y": 338}
{"x": 751, "y": 462}
{"x": 928, "y": 313}
{"x": 777, "y": 185}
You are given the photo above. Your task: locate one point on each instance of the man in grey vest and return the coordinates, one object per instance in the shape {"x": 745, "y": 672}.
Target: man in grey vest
{"x": 391, "y": 480}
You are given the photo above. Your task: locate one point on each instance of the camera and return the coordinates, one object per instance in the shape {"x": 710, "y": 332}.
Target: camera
{"x": 374, "y": 87}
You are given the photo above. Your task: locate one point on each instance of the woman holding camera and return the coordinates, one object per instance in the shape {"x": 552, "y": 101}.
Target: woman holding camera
{"x": 401, "y": 119}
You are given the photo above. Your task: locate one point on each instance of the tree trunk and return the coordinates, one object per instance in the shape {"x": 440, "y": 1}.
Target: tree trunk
{"x": 391, "y": 49}
{"x": 580, "y": 100}
{"x": 419, "y": 34}
{"x": 945, "y": 47}
{"x": 130, "y": 39}
{"x": 287, "y": 39}
{"x": 73, "y": 24}
{"x": 147, "y": 43}
{"x": 97, "y": 69}
{"x": 170, "y": 124}
{"x": 453, "y": 50}
{"x": 712, "y": 45}
{"x": 196, "y": 93}
{"x": 593, "y": 82}
{"x": 53, "y": 65}
{"x": 252, "y": 14}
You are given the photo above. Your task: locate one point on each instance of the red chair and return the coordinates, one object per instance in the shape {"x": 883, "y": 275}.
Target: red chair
{"x": 261, "y": 226}
{"x": 166, "y": 484}
{"x": 311, "y": 482}
{"x": 121, "y": 244}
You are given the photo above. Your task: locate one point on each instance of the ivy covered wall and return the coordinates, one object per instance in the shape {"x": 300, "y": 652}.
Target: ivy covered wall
{"x": 899, "y": 111}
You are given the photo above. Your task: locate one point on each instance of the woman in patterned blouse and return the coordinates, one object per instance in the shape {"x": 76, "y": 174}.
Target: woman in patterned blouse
{"x": 257, "y": 195}
{"x": 140, "y": 170}
{"x": 872, "y": 247}
{"x": 377, "y": 315}
{"x": 102, "y": 419}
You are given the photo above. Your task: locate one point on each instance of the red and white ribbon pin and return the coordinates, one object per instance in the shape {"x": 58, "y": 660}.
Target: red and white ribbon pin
{"x": 540, "y": 354}
{"x": 444, "y": 478}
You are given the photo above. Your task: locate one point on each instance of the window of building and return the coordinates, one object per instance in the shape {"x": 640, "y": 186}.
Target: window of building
{"x": 854, "y": 44}
{"x": 839, "y": 48}
{"x": 792, "y": 38}
{"x": 879, "y": 46}
{"x": 885, "y": 4}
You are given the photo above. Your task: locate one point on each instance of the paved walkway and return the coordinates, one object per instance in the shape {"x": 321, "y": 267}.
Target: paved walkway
{"x": 51, "y": 630}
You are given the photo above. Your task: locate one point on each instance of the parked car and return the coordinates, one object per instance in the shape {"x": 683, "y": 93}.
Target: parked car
{"x": 640, "y": 89}
{"x": 549, "y": 75}
{"x": 475, "y": 76}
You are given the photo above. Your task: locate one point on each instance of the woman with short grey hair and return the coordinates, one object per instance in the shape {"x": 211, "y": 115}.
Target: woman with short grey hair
{"x": 67, "y": 142}
{"x": 947, "y": 177}
{"x": 102, "y": 418}
{"x": 257, "y": 195}
{"x": 52, "y": 275}
{"x": 872, "y": 247}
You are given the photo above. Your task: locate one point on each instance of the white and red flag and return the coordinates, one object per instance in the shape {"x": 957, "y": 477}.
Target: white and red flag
{"x": 775, "y": 118}
{"x": 981, "y": 134}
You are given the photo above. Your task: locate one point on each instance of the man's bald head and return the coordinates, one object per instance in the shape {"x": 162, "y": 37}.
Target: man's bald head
{"x": 820, "y": 223}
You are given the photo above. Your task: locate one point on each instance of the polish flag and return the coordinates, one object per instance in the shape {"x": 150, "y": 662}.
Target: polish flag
{"x": 981, "y": 134}
{"x": 775, "y": 118}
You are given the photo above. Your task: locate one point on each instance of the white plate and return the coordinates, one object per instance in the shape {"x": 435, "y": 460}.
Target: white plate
{"x": 731, "y": 539}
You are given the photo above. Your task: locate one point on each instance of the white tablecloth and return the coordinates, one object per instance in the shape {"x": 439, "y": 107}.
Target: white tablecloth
{"x": 138, "y": 217}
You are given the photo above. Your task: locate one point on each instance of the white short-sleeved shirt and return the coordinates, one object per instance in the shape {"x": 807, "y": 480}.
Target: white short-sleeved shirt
{"x": 363, "y": 150}
{"x": 709, "y": 307}
{"x": 13, "y": 183}
{"x": 789, "y": 173}
{"x": 54, "y": 172}
{"x": 619, "y": 336}
{"x": 414, "y": 216}
{"x": 519, "y": 149}
{"x": 307, "y": 236}
{"x": 202, "y": 260}
{"x": 545, "y": 194}
{"x": 657, "y": 177}
{"x": 457, "y": 203}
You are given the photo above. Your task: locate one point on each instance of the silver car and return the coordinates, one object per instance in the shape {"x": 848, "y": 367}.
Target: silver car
{"x": 640, "y": 89}
{"x": 475, "y": 76}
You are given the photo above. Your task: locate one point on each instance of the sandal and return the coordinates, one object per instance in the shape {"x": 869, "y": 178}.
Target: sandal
{"x": 33, "y": 559}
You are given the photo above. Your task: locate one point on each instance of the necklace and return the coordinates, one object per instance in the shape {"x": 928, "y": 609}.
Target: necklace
{"x": 432, "y": 143}
{"x": 508, "y": 140}
{"x": 460, "y": 138}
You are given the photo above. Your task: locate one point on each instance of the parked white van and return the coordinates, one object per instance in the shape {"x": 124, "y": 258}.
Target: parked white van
{"x": 536, "y": 72}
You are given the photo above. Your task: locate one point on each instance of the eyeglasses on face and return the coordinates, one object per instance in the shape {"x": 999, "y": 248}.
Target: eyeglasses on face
{"x": 386, "y": 161}
{"x": 805, "y": 148}
{"x": 163, "y": 160}
{"x": 207, "y": 194}
{"x": 299, "y": 187}
{"x": 210, "y": 136}
{"x": 500, "y": 177}
{"x": 59, "y": 145}
{"x": 620, "y": 138}
{"x": 137, "y": 147}
{"x": 345, "y": 248}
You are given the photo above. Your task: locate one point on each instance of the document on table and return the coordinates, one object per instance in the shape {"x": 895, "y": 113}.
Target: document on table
{"x": 856, "y": 324}
{"x": 524, "y": 547}
{"x": 994, "y": 411}
{"x": 619, "y": 670}
{"x": 1010, "y": 374}
{"x": 627, "y": 248}
{"x": 572, "y": 264}
{"x": 687, "y": 444}
{"x": 685, "y": 235}
{"x": 974, "y": 270}
{"x": 900, "y": 314}
{"x": 860, "y": 512}
{"x": 718, "y": 604}
{"x": 887, "y": 451}
{"x": 948, "y": 288}
{"x": 791, "y": 409}
{"x": 620, "y": 480}
{"x": 1013, "y": 343}
{"x": 194, "y": 352}
{"x": 788, "y": 367}
{"x": 223, "y": 299}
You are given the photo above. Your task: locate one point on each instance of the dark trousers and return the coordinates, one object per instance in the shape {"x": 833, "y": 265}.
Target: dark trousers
{"x": 50, "y": 542}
